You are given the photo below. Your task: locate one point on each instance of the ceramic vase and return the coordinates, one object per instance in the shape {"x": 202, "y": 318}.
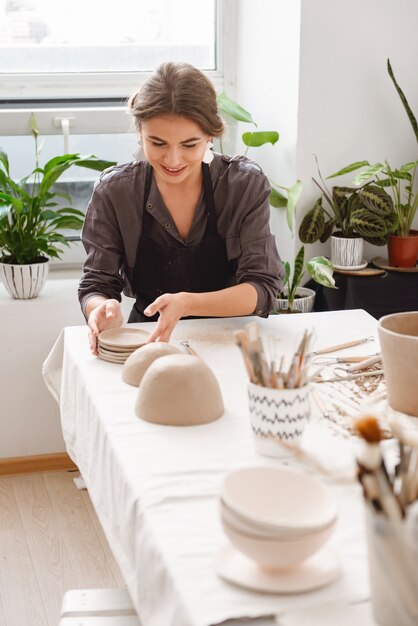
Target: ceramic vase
{"x": 303, "y": 304}
{"x": 24, "y": 281}
{"x": 346, "y": 251}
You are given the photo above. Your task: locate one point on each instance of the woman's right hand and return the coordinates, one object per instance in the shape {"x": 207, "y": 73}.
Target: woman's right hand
{"x": 107, "y": 314}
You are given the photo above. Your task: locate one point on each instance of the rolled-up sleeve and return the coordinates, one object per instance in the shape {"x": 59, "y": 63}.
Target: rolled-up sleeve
{"x": 102, "y": 241}
{"x": 249, "y": 240}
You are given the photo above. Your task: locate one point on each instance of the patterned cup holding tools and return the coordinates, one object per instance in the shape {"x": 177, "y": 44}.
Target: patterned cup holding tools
{"x": 277, "y": 415}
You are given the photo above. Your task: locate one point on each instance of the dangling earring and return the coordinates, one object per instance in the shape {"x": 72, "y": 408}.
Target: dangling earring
{"x": 208, "y": 156}
{"x": 138, "y": 154}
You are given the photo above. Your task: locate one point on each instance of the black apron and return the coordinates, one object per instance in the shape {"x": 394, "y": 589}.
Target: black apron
{"x": 170, "y": 268}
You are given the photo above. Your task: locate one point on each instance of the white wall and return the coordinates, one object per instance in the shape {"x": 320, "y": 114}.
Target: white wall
{"x": 348, "y": 107}
{"x": 29, "y": 416}
{"x": 267, "y": 86}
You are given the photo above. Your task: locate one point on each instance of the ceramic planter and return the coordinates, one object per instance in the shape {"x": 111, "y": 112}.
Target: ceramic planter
{"x": 303, "y": 304}
{"x": 403, "y": 251}
{"x": 346, "y": 251}
{"x": 24, "y": 281}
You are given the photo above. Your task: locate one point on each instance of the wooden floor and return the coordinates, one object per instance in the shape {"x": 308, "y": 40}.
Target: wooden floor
{"x": 50, "y": 541}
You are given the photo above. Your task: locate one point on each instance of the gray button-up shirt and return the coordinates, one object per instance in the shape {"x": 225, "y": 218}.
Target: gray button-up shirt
{"x": 113, "y": 224}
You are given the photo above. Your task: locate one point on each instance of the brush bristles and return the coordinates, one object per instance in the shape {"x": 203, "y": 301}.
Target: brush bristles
{"x": 368, "y": 428}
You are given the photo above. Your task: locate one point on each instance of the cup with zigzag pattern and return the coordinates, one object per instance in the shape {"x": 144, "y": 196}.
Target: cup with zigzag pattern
{"x": 277, "y": 414}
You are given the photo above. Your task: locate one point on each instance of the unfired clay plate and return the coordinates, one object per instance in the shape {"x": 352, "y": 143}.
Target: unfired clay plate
{"x": 123, "y": 338}
{"x": 111, "y": 359}
{"x": 113, "y": 352}
{"x": 320, "y": 570}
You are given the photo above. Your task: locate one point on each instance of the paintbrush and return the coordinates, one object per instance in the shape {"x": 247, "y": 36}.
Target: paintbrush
{"x": 372, "y": 471}
{"x": 241, "y": 339}
{"x": 256, "y": 353}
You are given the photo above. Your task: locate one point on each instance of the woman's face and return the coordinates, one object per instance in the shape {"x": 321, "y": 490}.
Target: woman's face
{"x": 174, "y": 146}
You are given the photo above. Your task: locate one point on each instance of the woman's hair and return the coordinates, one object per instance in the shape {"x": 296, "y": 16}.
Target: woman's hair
{"x": 178, "y": 89}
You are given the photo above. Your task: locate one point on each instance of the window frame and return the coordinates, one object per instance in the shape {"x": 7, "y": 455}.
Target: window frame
{"x": 81, "y": 99}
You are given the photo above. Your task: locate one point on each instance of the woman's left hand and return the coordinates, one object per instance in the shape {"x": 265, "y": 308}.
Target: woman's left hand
{"x": 171, "y": 307}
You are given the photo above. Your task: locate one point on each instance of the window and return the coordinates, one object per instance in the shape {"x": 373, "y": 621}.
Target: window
{"x": 74, "y": 63}
{"x": 88, "y": 49}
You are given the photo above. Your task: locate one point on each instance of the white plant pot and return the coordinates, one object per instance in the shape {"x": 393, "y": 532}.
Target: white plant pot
{"x": 304, "y": 303}
{"x": 24, "y": 281}
{"x": 346, "y": 251}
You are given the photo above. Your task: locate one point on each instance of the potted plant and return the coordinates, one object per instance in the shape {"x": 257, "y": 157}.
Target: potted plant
{"x": 294, "y": 298}
{"x": 30, "y": 225}
{"x": 349, "y": 216}
{"x": 399, "y": 182}
{"x": 255, "y": 139}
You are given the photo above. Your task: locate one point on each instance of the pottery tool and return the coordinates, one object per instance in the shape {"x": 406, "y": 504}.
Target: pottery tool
{"x": 330, "y": 360}
{"x": 341, "y": 346}
{"x": 189, "y": 348}
{"x": 366, "y": 362}
{"x": 344, "y": 376}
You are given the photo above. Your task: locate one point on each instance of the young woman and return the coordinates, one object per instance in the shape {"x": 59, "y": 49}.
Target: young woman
{"x": 185, "y": 232}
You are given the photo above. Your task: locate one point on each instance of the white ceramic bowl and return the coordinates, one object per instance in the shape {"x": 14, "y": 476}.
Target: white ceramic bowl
{"x": 276, "y": 553}
{"x": 246, "y": 526}
{"x": 279, "y": 499}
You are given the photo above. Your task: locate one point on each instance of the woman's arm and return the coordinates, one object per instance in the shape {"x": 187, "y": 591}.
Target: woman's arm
{"x": 229, "y": 302}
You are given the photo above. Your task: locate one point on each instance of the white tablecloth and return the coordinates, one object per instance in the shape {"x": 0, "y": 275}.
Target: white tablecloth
{"x": 155, "y": 488}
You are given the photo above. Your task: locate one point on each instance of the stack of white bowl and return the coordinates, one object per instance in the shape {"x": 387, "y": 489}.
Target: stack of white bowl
{"x": 276, "y": 517}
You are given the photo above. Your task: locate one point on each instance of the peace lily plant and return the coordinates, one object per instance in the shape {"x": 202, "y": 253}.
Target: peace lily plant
{"x": 31, "y": 225}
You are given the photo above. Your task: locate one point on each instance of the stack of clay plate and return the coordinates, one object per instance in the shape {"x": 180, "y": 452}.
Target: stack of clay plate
{"x": 116, "y": 344}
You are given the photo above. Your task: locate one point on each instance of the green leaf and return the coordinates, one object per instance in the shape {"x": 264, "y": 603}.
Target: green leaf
{"x": 48, "y": 215}
{"x": 321, "y": 270}
{"x": 33, "y": 126}
{"x": 407, "y": 167}
{"x": 368, "y": 173}
{"x": 349, "y": 168}
{"x": 312, "y": 225}
{"x": 93, "y": 163}
{"x": 277, "y": 199}
{"x": 298, "y": 269}
{"x": 257, "y": 139}
{"x": 64, "y": 222}
{"x": 72, "y": 211}
{"x": 293, "y": 195}
{"x": 404, "y": 101}
{"x": 4, "y": 160}
{"x": 286, "y": 276}
{"x": 62, "y": 159}
{"x": 15, "y": 202}
{"x": 233, "y": 109}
